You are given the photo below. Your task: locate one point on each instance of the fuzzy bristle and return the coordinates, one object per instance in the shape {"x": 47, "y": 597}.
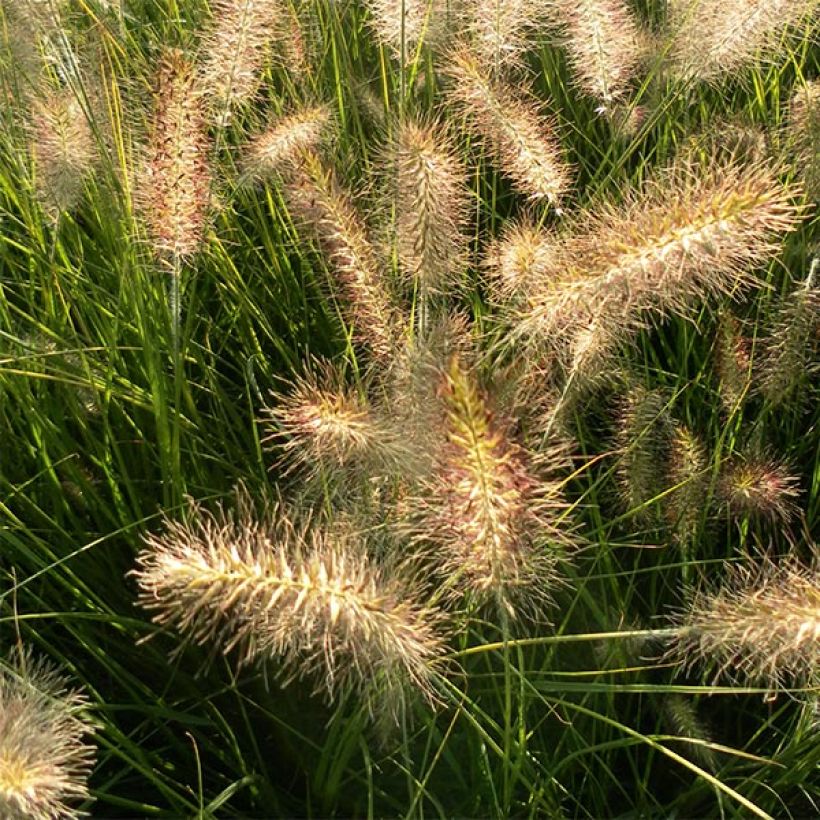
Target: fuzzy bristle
{"x": 63, "y": 149}
{"x": 275, "y": 150}
{"x": 500, "y": 31}
{"x": 173, "y": 186}
{"x": 44, "y": 758}
{"x": 802, "y": 134}
{"x": 238, "y": 45}
{"x": 761, "y": 627}
{"x": 492, "y": 511}
{"x": 431, "y": 205}
{"x": 715, "y": 39}
{"x": 605, "y": 45}
{"x": 759, "y": 486}
{"x": 689, "y": 234}
{"x": 417, "y": 21}
{"x": 518, "y": 136}
{"x": 688, "y": 478}
{"x": 310, "y": 601}
{"x": 732, "y": 362}
{"x": 316, "y": 198}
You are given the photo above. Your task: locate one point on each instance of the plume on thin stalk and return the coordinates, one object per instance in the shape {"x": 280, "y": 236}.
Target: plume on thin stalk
{"x": 63, "y": 148}
{"x": 687, "y": 234}
{"x": 500, "y": 31}
{"x": 687, "y": 476}
{"x": 316, "y": 198}
{"x": 423, "y": 21}
{"x": 275, "y": 151}
{"x": 431, "y": 206}
{"x": 761, "y": 627}
{"x": 492, "y": 509}
{"x": 759, "y": 485}
{"x": 802, "y": 134}
{"x": 307, "y": 599}
{"x": 519, "y": 137}
{"x": 172, "y": 187}
{"x": 714, "y": 39}
{"x": 789, "y": 350}
{"x": 733, "y": 363}
{"x": 45, "y": 760}
{"x": 605, "y": 46}
{"x": 326, "y": 426}
{"x": 237, "y": 47}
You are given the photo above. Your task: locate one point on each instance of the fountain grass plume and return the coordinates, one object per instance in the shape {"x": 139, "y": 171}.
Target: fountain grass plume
{"x": 45, "y": 759}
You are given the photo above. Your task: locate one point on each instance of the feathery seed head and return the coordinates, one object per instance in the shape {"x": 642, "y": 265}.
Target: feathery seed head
{"x": 239, "y": 42}
{"x": 605, "y": 45}
{"x": 431, "y": 206}
{"x": 681, "y": 712}
{"x": 492, "y": 509}
{"x": 308, "y": 599}
{"x": 732, "y": 362}
{"x": 316, "y": 198}
{"x": 275, "y": 150}
{"x": 500, "y": 31}
{"x": 416, "y": 20}
{"x": 715, "y": 39}
{"x": 518, "y": 136}
{"x": 803, "y": 136}
{"x": 44, "y": 761}
{"x": 761, "y": 627}
{"x": 63, "y": 149}
{"x": 759, "y": 485}
{"x": 173, "y": 187}
{"x": 687, "y": 475}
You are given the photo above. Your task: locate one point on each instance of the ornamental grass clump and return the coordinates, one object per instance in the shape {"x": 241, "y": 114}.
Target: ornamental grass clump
{"x": 760, "y": 627}
{"x": 308, "y": 600}
{"x": 45, "y": 759}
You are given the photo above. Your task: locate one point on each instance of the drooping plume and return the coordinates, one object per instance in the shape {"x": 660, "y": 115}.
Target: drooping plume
{"x": 308, "y": 600}
{"x": 712, "y": 40}
{"x": 316, "y": 198}
{"x": 45, "y": 760}
{"x": 517, "y": 135}
{"x": 172, "y": 187}
{"x": 237, "y": 48}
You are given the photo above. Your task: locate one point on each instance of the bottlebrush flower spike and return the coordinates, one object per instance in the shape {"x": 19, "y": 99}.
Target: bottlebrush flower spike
{"x": 803, "y": 136}
{"x": 315, "y": 197}
{"x": 491, "y": 512}
{"x": 44, "y": 759}
{"x": 173, "y": 186}
{"x": 733, "y": 363}
{"x": 759, "y": 485}
{"x": 789, "y": 351}
{"x": 275, "y": 151}
{"x": 431, "y": 207}
{"x": 500, "y": 31}
{"x": 416, "y": 20}
{"x": 63, "y": 148}
{"x": 308, "y": 600}
{"x": 687, "y": 234}
{"x": 605, "y": 45}
{"x": 236, "y": 48}
{"x": 326, "y": 426}
{"x": 518, "y": 136}
{"x": 714, "y": 39}
{"x": 687, "y": 476}
{"x": 761, "y": 627}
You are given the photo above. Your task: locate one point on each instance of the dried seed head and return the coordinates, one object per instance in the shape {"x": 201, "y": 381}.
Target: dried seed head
{"x": 63, "y": 149}
{"x": 789, "y": 351}
{"x": 275, "y": 150}
{"x": 605, "y": 45}
{"x": 803, "y": 136}
{"x": 173, "y": 187}
{"x": 520, "y": 259}
{"x": 500, "y": 31}
{"x": 761, "y": 627}
{"x": 315, "y": 197}
{"x": 642, "y": 442}
{"x": 492, "y": 510}
{"x": 714, "y": 39}
{"x": 518, "y": 136}
{"x": 688, "y": 477}
{"x": 237, "y": 48}
{"x": 309, "y": 600}
{"x": 330, "y": 429}
{"x": 686, "y": 235}
{"x": 732, "y": 362}
{"x": 417, "y": 21}
{"x": 759, "y": 486}
{"x": 44, "y": 761}
{"x": 431, "y": 206}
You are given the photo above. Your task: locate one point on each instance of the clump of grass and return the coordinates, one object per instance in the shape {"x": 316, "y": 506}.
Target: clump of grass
{"x": 307, "y": 598}
{"x": 45, "y": 760}
{"x": 761, "y": 626}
